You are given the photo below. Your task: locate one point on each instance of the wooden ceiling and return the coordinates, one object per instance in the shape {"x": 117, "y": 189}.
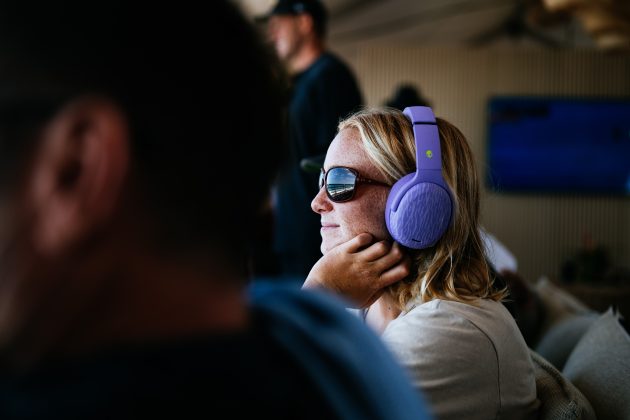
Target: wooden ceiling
{"x": 475, "y": 23}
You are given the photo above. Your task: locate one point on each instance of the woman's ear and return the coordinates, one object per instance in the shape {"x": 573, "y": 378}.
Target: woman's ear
{"x": 79, "y": 172}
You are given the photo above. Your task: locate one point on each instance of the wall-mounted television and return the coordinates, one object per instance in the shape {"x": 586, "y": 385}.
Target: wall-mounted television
{"x": 558, "y": 145}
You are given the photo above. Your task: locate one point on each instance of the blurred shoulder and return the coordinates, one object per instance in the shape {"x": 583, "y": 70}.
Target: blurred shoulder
{"x": 337, "y": 349}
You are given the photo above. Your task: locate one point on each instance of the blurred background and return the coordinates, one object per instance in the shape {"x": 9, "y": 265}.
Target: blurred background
{"x": 541, "y": 88}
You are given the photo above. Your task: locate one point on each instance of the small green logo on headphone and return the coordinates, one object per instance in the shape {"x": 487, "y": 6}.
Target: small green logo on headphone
{"x": 429, "y": 154}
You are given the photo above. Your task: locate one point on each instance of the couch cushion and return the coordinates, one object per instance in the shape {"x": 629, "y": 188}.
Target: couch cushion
{"x": 559, "y": 399}
{"x": 600, "y": 367}
{"x": 559, "y": 304}
{"x": 558, "y": 343}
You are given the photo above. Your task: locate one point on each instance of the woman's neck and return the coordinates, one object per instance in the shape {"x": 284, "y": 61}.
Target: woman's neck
{"x": 381, "y": 313}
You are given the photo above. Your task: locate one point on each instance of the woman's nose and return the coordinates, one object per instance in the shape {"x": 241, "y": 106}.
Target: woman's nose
{"x": 321, "y": 203}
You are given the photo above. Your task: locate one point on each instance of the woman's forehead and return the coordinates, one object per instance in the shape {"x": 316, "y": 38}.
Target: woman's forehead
{"x": 347, "y": 149}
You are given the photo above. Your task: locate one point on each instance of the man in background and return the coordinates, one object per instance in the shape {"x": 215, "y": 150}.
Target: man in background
{"x": 322, "y": 91}
{"x": 126, "y": 212}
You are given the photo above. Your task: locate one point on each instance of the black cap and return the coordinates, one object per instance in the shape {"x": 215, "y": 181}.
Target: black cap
{"x": 315, "y": 8}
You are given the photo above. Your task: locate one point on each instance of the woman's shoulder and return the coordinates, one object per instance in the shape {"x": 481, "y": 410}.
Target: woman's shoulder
{"x": 453, "y": 311}
{"x": 458, "y": 348}
{"x": 477, "y": 310}
{"x": 475, "y": 323}
{"x": 440, "y": 339}
{"x": 481, "y": 312}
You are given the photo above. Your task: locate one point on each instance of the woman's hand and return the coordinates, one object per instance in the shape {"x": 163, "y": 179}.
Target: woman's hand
{"x": 358, "y": 274}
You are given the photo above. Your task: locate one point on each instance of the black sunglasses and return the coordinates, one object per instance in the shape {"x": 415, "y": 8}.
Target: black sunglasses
{"x": 341, "y": 183}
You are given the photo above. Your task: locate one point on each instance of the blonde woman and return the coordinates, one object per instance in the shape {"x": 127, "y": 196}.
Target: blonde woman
{"x": 436, "y": 307}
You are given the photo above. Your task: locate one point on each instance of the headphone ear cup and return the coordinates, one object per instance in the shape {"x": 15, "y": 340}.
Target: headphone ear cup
{"x": 418, "y": 213}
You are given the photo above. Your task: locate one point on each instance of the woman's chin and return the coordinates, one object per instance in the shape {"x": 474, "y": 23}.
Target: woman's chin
{"x": 328, "y": 244}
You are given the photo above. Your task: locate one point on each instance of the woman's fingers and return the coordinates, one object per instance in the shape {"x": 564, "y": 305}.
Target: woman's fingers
{"x": 389, "y": 259}
{"x": 357, "y": 243}
{"x": 376, "y": 251}
{"x": 396, "y": 273}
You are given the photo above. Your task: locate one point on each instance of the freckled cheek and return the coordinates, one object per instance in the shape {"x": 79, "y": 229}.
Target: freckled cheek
{"x": 369, "y": 218}
{"x": 378, "y": 227}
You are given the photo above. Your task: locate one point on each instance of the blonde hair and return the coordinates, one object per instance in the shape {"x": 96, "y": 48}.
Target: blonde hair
{"x": 455, "y": 268}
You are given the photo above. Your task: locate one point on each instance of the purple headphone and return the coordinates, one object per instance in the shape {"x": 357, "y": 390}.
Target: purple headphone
{"x": 420, "y": 206}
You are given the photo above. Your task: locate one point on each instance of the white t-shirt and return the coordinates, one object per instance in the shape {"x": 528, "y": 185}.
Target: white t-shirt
{"x": 469, "y": 360}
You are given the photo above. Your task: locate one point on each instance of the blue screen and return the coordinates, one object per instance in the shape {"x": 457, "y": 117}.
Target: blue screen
{"x": 559, "y": 145}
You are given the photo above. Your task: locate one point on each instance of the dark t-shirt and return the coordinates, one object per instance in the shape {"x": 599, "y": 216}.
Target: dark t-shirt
{"x": 321, "y": 96}
{"x": 303, "y": 356}
{"x": 230, "y": 376}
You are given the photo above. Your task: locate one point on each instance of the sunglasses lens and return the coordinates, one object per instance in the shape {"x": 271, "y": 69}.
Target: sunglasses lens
{"x": 340, "y": 184}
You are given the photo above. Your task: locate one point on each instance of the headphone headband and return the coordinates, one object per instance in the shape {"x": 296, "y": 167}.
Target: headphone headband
{"x": 428, "y": 154}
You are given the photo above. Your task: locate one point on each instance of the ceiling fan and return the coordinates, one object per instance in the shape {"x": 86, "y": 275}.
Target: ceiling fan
{"x": 607, "y": 22}
{"x": 525, "y": 22}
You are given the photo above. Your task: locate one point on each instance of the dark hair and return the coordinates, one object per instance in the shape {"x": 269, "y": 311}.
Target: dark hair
{"x": 201, "y": 93}
{"x": 406, "y": 95}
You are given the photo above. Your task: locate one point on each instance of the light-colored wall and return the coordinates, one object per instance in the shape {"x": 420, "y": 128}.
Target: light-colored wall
{"x": 542, "y": 230}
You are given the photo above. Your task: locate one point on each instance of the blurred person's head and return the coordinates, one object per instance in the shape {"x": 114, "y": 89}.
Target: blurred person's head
{"x": 121, "y": 145}
{"x": 379, "y": 145}
{"x": 297, "y": 29}
{"x": 406, "y": 95}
